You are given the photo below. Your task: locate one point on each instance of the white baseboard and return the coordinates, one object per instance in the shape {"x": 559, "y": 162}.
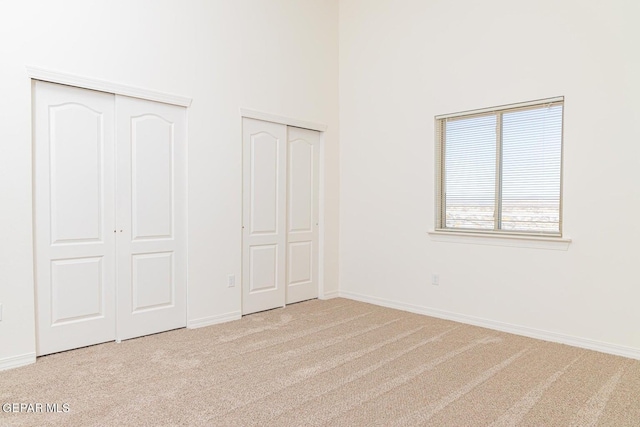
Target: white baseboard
{"x": 17, "y": 361}
{"x": 213, "y": 320}
{"x": 329, "y": 295}
{"x": 586, "y": 343}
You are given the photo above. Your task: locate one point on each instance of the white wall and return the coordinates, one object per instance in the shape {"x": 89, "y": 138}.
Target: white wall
{"x": 278, "y": 56}
{"x": 402, "y": 62}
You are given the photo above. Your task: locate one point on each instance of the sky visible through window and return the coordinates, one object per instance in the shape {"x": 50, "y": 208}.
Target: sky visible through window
{"x": 528, "y": 197}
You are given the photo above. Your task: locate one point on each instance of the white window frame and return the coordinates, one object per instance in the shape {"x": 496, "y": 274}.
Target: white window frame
{"x": 440, "y": 205}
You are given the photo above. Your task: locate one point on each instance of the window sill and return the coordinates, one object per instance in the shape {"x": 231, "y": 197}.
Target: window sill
{"x": 518, "y": 241}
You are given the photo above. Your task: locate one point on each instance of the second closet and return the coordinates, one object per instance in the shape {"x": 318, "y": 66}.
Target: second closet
{"x": 280, "y": 215}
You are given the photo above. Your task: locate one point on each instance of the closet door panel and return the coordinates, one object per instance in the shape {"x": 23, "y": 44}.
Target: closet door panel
{"x": 302, "y": 214}
{"x": 152, "y": 169}
{"x": 264, "y": 215}
{"x": 151, "y": 188}
{"x": 73, "y": 217}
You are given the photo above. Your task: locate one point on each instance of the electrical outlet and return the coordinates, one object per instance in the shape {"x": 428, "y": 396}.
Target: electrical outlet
{"x": 435, "y": 279}
{"x": 231, "y": 280}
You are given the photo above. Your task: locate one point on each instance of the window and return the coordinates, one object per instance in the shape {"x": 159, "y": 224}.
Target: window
{"x": 499, "y": 170}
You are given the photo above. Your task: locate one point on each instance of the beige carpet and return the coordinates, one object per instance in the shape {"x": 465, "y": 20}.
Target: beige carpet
{"x": 336, "y": 363}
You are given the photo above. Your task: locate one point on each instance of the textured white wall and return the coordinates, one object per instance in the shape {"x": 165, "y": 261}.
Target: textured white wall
{"x": 278, "y": 56}
{"x": 402, "y": 62}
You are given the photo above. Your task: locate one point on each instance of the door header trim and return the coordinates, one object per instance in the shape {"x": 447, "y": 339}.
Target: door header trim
{"x": 289, "y": 121}
{"x": 106, "y": 86}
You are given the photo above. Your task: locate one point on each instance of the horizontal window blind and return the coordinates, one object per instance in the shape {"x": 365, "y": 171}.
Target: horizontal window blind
{"x": 470, "y": 174}
{"x": 501, "y": 171}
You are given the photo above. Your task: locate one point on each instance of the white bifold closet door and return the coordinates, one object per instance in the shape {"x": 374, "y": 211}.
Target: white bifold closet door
{"x": 151, "y": 205}
{"x": 74, "y": 217}
{"x": 109, "y": 217}
{"x": 280, "y": 215}
{"x": 303, "y": 147}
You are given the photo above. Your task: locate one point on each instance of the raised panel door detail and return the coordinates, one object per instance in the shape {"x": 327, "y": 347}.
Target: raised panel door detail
{"x": 73, "y": 216}
{"x": 76, "y": 173}
{"x": 152, "y": 144}
{"x": 301, "y": 195}
{"x": 264, "y": 268}
{"x": 151, "y": 247}
{"x": 76, "y": 290}
{"x": 264, "y": 183}
{"x": 152, "y": 281}
{"x": 264, "y": 206}
{"x": 302, "y": 214}
{"x": 300, "y": 263}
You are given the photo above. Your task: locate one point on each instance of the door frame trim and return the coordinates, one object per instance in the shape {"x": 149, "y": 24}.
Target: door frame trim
{"x": 68, "y": 79}
{"x": 283, "y": 120}
{"x": 319, "y": 127}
